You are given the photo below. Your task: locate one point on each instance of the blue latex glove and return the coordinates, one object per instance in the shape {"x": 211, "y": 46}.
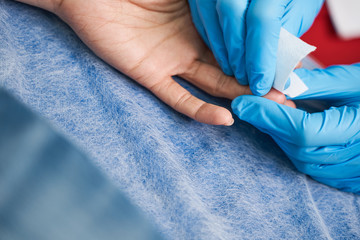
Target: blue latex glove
{"x": 243, "y": 34}
{"x": 324, "y": 145}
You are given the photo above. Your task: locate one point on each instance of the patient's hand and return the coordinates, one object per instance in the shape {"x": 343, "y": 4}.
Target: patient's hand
{"x": 150, "y": 41}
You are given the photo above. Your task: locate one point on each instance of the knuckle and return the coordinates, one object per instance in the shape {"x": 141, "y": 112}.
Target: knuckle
{"x": 220, "y": 85}
{"x": 198, "y": 113}
{"x": 182, "y": 99}
{"x": 155, "y": 87}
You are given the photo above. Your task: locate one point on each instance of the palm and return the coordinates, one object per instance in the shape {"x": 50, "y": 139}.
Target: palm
{"x": 127, "y": 35}
{"x": 151, "y": 41}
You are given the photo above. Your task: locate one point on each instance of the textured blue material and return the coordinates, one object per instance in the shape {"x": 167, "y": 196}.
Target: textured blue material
{"x": 194, "y": 181}
{"x": 50, "y": 190}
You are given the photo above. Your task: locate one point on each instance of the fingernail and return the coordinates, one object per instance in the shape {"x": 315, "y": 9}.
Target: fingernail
{"x": 230, "y": 123}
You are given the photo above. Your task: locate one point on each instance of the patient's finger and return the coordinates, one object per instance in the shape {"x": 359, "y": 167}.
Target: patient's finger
{"x": 290, "y": 103}
{"x": 279, "y": 97}
{"x": 212, "y": 80}
{"x": 276, "y": 96}
{"x": 182, "y": 101}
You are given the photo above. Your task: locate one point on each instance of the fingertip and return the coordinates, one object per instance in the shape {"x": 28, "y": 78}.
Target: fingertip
{"x": 276, "y": 96}
{"x": 259, "y": 91}
{"x": 279, "y": 97}
{"x": 290, "y": 103}
{"x": 222, "y": 116}
{"x": 214, "y": 115}
{"x": 230, "y": 123}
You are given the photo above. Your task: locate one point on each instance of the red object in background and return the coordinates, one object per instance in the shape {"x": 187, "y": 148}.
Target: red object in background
{"x": 331, "y": 49}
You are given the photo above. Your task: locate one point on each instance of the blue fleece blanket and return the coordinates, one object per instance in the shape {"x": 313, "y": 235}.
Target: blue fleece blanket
{"x": 194, "y": 181}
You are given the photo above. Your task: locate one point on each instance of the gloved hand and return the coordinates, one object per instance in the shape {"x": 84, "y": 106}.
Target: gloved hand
{"x": 324, "y": 145}
{"x": 243, "y": 34}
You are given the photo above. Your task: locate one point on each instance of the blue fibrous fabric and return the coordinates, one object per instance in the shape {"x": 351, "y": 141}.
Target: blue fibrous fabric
{"x": 50, "y": 190}
{"x": 193, "y": 181}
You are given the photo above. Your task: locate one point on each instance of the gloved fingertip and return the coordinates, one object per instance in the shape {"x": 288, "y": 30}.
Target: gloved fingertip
{"x": 241, "y": 78}
{"x": 235, "y": 102}
{"x": 242, "y": 81}
{"x": 257, "y": 91}
{"x": 238, "y": 103}
{"x": 260, "y": 84}
{"x": 228, "y": 72}
{"x": 249, "y": 108}
{"x": 226, "y": 68}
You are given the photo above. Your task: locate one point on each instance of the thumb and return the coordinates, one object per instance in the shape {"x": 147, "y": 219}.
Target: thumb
{"x": 299, "y": 127}
{"x": 275, "y": 119}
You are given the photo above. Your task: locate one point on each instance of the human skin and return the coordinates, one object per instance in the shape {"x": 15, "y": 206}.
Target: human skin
{"x": 151, "y": 41}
